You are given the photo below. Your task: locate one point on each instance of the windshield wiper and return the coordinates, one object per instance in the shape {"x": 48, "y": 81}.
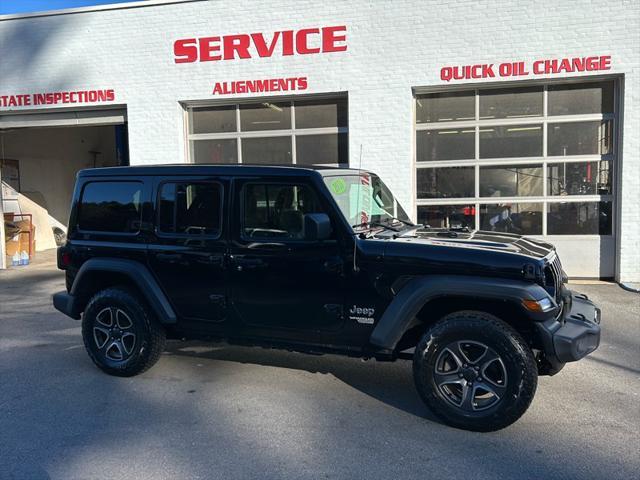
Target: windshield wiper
{"x": 406, "y": 222}
{"x": 375, "y": 224}
{"x": 445, "y": 230}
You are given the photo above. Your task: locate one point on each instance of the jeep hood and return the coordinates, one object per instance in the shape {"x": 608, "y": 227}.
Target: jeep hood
{"x": 478, "y": 240}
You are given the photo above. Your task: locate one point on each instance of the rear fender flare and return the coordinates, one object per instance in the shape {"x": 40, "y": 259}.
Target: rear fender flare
{"x": 137, "y": 272}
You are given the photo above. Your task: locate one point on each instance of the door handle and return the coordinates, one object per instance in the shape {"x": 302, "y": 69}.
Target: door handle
{"x": 249, "y": 264}
{"x": 267, "y": 245}
{"x": 333, "y": 265}
{"x": 215, "y": 260}
{"x": 169, "y": 257}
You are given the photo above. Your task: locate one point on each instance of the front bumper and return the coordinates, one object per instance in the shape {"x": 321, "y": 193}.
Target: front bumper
{"x": 572, "y": 336}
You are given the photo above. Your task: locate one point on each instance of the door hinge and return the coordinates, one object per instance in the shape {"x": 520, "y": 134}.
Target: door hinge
{"x": 335, "y": 310}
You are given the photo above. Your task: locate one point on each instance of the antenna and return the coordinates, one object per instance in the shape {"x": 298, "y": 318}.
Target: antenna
{"x": 355, "y": 240}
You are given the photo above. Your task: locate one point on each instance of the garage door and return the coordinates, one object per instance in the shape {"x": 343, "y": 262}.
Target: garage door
{"x": 64, "y": 119}
{"x": 535, "y": 160}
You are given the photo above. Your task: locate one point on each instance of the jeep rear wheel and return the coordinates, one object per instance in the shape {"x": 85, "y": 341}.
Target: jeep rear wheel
{"x": 120, "y": 333}
{"x": 474, "y": 371}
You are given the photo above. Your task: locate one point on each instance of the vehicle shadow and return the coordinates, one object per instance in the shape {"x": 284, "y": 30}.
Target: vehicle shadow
{"x": 388, "y": 382}
{"x": 92, "y": 423}
{"x": 60, "y": 417}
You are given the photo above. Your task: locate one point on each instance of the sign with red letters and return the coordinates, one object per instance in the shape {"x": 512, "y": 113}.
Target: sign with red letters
{"x": 306, "y": 41}
{"x": 545, "y": 66}
{"x": 261, "y": 85}
{"x": 57, "y": 98}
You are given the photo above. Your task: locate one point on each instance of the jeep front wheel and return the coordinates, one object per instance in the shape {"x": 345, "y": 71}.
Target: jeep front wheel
{"x": 120, "y": 333}
{"x": 474, "y": 371}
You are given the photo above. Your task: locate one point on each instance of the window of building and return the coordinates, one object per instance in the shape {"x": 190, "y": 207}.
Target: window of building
{"x": 579, "y": 218}
{"x": 511, "y": 103}
{"x": 511, "y": 181}
{"x": 447, "y": 216}
{"x": 581, "y": 98}
{"x": 520, "y": 218}
{"x": 510, "y": 141}
{"x": 446, "y": 182}
{"x": 536, "y": 160}
{"x": 113, "y": 207}
{"x": 190, "y": 208}
{"x": 309, "y": 131}
{"x": 579, "y": 178}
{"x": 446, "y": 107}
{"x": 276, "y": 211}
{"x": 446, "y": 144}
{"x": 579, "y": 138}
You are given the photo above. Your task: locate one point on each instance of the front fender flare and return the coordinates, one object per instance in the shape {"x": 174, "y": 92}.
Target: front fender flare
{"x": 420, "y": 290}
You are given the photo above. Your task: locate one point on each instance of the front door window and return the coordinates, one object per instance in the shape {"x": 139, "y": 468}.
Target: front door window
{"x": 276, "y": 212}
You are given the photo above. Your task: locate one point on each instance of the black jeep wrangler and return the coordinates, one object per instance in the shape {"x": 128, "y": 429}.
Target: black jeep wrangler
{"x": 316, "y": 260}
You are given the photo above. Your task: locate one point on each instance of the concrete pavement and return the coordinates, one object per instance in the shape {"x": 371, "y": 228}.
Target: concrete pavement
{"x": 214, "y": 411}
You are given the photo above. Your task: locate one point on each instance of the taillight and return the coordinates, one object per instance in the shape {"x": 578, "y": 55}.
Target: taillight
{"x": 65, "y": 259}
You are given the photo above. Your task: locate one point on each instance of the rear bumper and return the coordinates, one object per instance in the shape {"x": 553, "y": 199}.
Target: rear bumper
{"x": 66, "y": 304}
{"x": 573, "y": 336}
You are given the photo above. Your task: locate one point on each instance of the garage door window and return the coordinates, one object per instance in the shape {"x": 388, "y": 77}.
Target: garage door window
{"x": 524, "y": 218}
{"x": 547, "y": 152}
{"x": 579, "y": 218}
{"x": 113, "y": 207}
{"x": 302, "y": 132}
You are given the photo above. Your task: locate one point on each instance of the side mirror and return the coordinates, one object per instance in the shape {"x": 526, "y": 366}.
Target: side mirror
{"x": 317, "y": 226}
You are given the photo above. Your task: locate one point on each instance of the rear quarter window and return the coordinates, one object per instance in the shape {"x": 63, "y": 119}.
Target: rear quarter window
{"x": 114, "y": 207}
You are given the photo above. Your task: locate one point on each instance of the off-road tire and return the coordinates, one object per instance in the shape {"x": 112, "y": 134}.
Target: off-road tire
{"x": 517, "y": 362}
{"x": 149, "y": 335}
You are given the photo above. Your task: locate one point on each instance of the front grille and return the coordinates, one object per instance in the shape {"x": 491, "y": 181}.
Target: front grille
{"x": 554, "y": 277}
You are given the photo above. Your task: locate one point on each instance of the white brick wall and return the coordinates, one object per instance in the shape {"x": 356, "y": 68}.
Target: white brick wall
{"x": 392, "y": 47}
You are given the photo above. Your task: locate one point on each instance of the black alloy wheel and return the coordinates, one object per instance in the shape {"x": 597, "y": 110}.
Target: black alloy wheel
{"x": 121, "y": 333}
{"x": 470, "y": 375}
{"x": 113, "y": 334}
{"x": 474, "y": 371}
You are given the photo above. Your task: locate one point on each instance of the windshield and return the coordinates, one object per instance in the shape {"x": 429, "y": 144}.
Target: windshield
{"x": 364, "y": 200}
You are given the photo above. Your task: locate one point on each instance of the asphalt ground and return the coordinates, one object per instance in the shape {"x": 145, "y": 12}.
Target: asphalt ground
{"x": 215, "y": 411}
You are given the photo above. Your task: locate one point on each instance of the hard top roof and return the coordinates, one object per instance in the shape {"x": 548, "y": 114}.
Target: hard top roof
{"x": 215, "y": 169}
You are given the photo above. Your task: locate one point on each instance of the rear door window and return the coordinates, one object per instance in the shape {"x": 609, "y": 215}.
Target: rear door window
{"x": 114, "y": 207}
{"x": 190, "y": 208}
